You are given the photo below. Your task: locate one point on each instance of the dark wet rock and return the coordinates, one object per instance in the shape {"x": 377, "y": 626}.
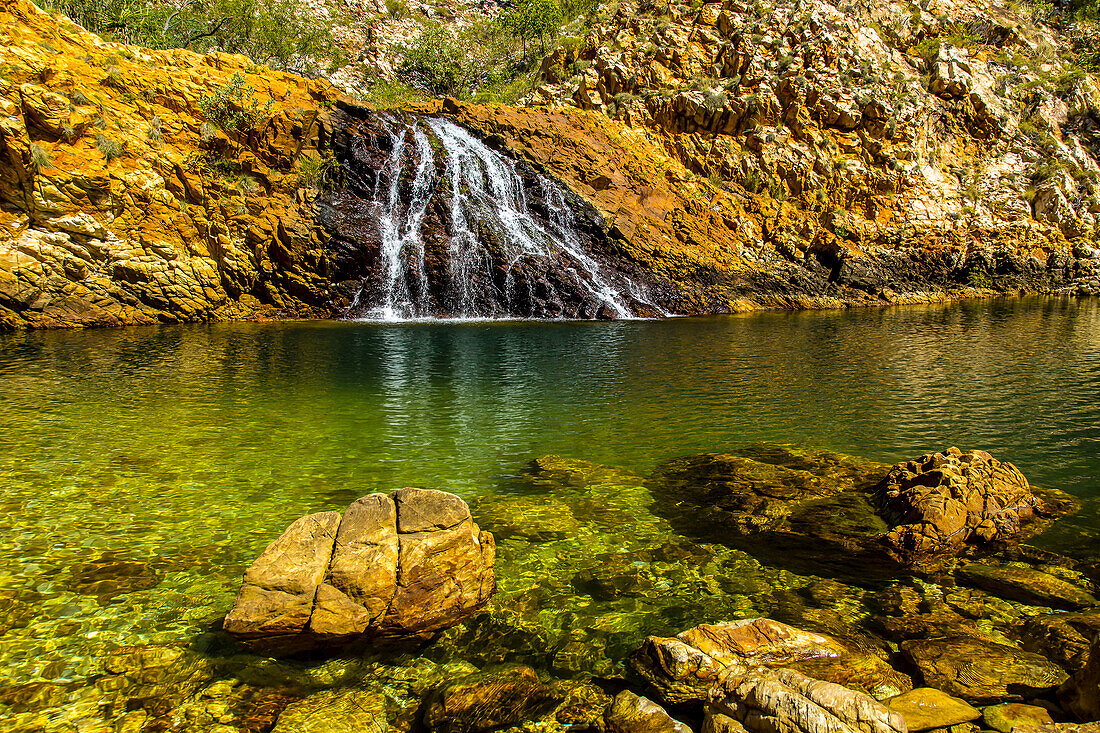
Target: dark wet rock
{"x": 340, "y": 710}
{"x": 491, "y": 699}
{"x": 110, "y": 575}
{"x": 926, "y": 708}
{"x": 905, "y": 610}
{"x": 1064, "y": 638}
{"x": 806, "y": 511}
{"x": 1027, "y": 585}
{"x": 583, "y": 706}
{"x": 686, "y": 667}
{"x": 630, "y": 713}
{"x": 980, "y": 671}
{"x": 785, "y": 700}
{"x": 1004, "y": 718}
{"x": 1081, "y": 693}
{"x": 942, "y": 501}
{"x": 412, "y": 562}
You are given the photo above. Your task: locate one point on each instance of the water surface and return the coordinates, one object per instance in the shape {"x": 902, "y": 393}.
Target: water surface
{"x": 186, "y": 449}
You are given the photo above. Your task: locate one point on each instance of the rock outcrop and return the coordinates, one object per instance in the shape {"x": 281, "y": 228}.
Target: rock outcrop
{"x": 939, "y": 502}
{"x": 1081, "y": 693}
{"x": 630, "y": 713}
{"x": 927, "y": 708}
{"x": 411, "y": 562}
{"x": 686, "y": 667}
{"x": 785, "y": 700}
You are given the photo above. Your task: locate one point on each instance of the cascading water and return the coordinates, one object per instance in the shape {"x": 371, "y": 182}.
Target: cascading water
{"x": 465, "y": 232}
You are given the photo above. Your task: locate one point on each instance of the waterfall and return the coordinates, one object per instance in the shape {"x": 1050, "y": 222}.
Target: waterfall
{"x": 464, "y": 232}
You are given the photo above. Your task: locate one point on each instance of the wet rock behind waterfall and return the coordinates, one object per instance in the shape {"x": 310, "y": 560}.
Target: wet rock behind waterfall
{"x": 407, "y": 563}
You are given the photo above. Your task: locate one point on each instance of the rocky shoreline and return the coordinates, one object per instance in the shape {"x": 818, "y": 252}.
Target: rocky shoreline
{"x": 123, "y": 203}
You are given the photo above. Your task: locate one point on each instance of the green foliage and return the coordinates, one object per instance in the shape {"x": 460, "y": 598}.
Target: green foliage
{"x": 978, "y": 279}
{"x": 40, "y": 159}
{"x": 436, "y": 62}
{"x": 534, "y": 20}
{"x": 319, "y": 171}
{"x": 233, "y": 107}
{"x": 272, "y": 32}
{"x": 111, "y": 149}
{"x": 397, "y": 9}
{"x": 385, "y": 94}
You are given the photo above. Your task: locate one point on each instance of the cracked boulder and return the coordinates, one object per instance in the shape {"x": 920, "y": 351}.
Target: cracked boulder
{"x": 404, "y": 564}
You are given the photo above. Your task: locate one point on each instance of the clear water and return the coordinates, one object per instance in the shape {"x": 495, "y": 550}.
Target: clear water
{"x": 188, "y": 448}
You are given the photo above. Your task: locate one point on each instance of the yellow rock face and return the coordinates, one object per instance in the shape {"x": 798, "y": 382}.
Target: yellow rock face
{"x": 120, "y": 207}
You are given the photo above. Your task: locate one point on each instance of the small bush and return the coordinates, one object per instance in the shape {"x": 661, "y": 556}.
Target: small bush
{"x": 397, "y": 9}
{"x": 111, "y": 149}
{"x": 436, "y": 62}
{"x": 318, "y": 171}
{"x": 40, "y": 159}
{"x": 233, "y": 107}
{"x": 80, "y": 100}
{"x": 155, "y": 133}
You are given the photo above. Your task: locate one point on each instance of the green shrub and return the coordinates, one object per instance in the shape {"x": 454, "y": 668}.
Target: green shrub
{"x": 397, "y": 9}
{"x": 436, "y": 62}
{"x": 271, "y": 32}
{"x": 318, "y": 170}
{"x": 234, "y": 108}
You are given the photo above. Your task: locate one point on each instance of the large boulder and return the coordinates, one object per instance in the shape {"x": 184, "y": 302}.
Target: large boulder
{"x": 785, "y": 700}
{"x": 408, "y": 563}
{"x": 982, "y": 672}
{"x": 926, "y": 708}
{"x": 686, "y": 667}
{"x": 939, "y": 502}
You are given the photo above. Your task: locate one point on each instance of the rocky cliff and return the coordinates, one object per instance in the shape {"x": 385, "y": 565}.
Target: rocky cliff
{"x": 737, "y": 157}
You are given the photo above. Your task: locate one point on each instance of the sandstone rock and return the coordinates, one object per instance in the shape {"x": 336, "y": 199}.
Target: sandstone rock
{"x": 329, "y": 580}
{"x": 982, "y": 672}
{"x": 1005, "y": 718}
{"x": 630, "y": 713}
{"x": 941, "y": 501}
{"x": 1081, "y": 693}
{"x": 686, "y": 667}
{"x": 338, "y": 710}
{"x": 714, "y": 722}
{"x": 926, "y": 708}
{"x": 1027, "y": 585}
{"x": 488, "y": 700}
{"x": 784, "y": 700}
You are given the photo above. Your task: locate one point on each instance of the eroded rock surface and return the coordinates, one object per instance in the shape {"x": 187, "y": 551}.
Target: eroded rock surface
{"x": 686, "y": 667}
{"x": 939, "y": 502}
{"x": 406, "y": 563}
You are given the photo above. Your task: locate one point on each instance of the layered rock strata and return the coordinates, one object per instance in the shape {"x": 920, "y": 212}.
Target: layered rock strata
{"x": 411, "y": 562}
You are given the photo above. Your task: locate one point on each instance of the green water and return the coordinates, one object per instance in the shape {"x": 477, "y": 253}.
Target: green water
{"x": 183, "y": 450}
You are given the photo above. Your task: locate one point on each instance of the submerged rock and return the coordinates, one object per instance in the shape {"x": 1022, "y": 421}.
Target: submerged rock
{"x": 335, "y": 711}
{"x": 1081, "y": 693}
{"x": 926, "y": 708}
{"x": 981, "y": 671}
{"x": 687, "y": 667}
{"x": 1026, "y": 585}
{"x": 1005, "y": 718}
{"x": 1064, "y": 638}
{"x": 941, "y": 501}
{"x": 630, "y": 713}
{"x": 407, "y": 563}
{"x": 488, "y": 700}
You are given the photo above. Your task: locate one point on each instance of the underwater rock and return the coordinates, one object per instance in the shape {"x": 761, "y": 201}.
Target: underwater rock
{"x": 939, "y": 502}
{"x": 1005, "y": 718}
{"x": 1081, "y": 693}
{"x": 808, "y": 511}
{"x": 409, "y": 563}
{"x": 1026, "y": 585}
{"x": 926, "y": 708}
{"x": 785, "y": 700}
{"x": 630, "y": 713}
{"x": 982, "y": 672}
{"x": 1061, "y": 637}
{"x": 339, "y": 710}
{"x": 108, "y": 576}
{"x": 687, "y": 667}
{"x": 490, "y": 699}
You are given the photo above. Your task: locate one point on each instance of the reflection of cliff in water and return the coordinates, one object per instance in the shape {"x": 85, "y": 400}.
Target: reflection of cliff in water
{"x": 447, "y": 227}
